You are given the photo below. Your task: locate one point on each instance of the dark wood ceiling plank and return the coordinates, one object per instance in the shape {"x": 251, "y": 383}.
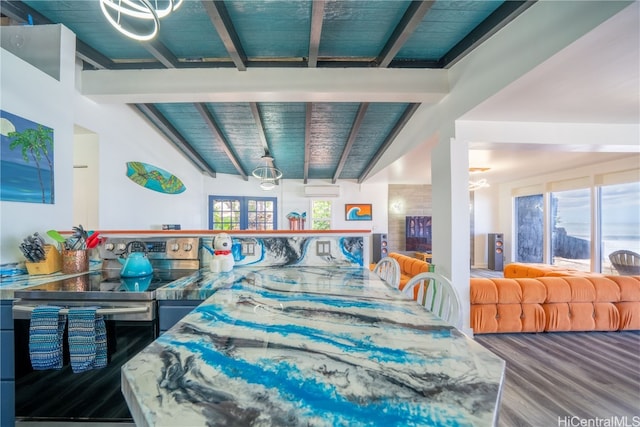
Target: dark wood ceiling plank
{"x": 503, "y": 15}
{"x": 355, "y": 128}
{"x": 400, "y": 124}
{"x": 162, "y": 54}
{"x": 220, "y": 19}
{"x": 317, "y": 16}
{"x": 407, "y": 25}
{"x": 213, "y": 126}
{"x": 255, "y": 111}
{"x": 92, "y": 56}
{"x": 162, "y": 124}
{"x": 307, "y": 140}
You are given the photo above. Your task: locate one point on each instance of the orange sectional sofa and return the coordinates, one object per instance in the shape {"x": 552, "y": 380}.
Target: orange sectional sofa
{"x": 550, "y": 299}
{"x": 409, "y": 267}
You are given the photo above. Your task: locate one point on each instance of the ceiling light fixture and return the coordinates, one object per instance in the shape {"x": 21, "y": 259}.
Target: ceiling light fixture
{"x": 267, "y": 173}
{"x": 477, "y": 170}
{"x": 476, "y": 185}
{"x": 480, "y": 183}
{"x": 126, "y": 16}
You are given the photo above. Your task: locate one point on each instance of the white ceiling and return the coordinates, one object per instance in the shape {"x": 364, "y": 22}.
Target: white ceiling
{"x": 594, "y": 80}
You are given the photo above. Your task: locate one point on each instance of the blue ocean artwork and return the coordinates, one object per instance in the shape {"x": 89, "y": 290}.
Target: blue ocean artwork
{"x": 27, "y": 165}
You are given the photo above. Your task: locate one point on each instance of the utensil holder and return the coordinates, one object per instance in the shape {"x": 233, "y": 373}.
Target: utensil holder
{"x": 50, "y": 264}
{"x": 75, "y": 261}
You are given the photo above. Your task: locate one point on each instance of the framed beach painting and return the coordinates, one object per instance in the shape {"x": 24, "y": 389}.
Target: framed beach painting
{"x": 357, "y": 212}
{"x": 26, "y": 160}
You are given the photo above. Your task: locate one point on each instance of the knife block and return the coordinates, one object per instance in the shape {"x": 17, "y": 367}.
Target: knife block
{"x": 50, "y": 264}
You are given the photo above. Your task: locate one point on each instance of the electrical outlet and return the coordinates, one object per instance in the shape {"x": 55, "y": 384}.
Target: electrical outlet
{"x": 248, "y": 248}
{"x": 323, "y": 247}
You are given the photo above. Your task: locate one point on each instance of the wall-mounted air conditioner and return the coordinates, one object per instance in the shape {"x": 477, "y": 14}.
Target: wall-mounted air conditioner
{"x": 322, "y": 191}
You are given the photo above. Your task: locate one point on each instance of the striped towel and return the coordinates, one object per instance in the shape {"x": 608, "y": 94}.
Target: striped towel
{"x": 45, "y": 337}
{"x": 87, "y": 339}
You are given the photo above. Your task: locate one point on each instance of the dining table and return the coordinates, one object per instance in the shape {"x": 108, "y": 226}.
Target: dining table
{"x": 312, "y": 346}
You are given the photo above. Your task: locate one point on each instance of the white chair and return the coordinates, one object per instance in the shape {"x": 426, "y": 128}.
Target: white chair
{"x": 437, "y": 295}
{"x": 388, "y": 270}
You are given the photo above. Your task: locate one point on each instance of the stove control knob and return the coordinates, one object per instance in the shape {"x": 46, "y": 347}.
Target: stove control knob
{"x": 109, "y": 246}
{"x": 121, "y": 246}
{"x": 175, "y": 247}
{"x": 187, "y": 247}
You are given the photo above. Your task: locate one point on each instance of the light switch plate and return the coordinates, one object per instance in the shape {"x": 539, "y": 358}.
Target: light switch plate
{"x": 248, "y": 248}
{"x": 323, "y": 247}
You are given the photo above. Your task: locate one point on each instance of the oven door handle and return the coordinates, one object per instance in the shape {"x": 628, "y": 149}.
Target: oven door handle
{"x": 101, "y": 311}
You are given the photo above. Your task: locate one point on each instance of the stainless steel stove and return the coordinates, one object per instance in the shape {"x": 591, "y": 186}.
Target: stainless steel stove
{"x": 130, "y": 311}
{"x": 118, "y": 298}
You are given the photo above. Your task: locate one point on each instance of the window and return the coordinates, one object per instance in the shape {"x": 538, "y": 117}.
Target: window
{"x": 620, "y": 221}
{"x": 242, "y": 213}
{"x": 529, "y": 212}
{"x": 571, "y": 229}
{"x": 321, "y": 215}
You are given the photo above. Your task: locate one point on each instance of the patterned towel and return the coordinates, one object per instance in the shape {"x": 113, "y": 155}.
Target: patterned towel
{"x": 45, "y": 337}
{"x": 87, "y": 339}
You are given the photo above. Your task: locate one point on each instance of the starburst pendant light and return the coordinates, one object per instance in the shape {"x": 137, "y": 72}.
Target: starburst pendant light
{"x": 138, "y": 19}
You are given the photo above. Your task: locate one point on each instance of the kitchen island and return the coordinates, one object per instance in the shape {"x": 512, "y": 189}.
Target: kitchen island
{"x": 310, "y": 345}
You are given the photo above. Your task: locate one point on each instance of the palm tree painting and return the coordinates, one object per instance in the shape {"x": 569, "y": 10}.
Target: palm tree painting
{"x": 26, "y": 161}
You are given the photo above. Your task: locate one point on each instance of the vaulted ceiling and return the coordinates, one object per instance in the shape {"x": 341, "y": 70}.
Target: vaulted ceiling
{"x": 308, "y": 139}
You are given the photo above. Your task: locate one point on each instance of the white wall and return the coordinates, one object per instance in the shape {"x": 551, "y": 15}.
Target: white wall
{"x": 86, "y": 166}
{"x": 486, "y": 221}
{"x": 291, "y": 198}
{"x": 29, "y": 93}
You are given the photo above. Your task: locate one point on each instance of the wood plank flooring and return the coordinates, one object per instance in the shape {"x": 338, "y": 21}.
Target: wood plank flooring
{"x": 552, "y": 377}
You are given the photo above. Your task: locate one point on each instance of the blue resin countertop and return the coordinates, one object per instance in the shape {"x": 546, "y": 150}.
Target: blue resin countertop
{"x": 312, "y": 346}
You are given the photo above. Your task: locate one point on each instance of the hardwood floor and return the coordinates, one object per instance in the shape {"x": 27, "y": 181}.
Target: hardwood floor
{"x": 483, "y": 272}
{"x": 553, "y": 377}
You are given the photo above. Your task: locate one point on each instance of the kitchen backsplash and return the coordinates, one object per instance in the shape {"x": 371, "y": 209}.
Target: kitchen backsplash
{"x": 292, "y": 251}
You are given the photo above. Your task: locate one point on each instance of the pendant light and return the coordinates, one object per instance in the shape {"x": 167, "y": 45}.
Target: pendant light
{"x": 267, "y": 173}
{"x": 123, "y": 14}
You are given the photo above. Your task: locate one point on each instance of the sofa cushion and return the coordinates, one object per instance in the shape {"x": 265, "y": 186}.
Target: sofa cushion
{"x": 629, "y": 315}
{"x": 629, "y": 287}
{"x": 558, "y": 289}
{"x": 483, "y": 291}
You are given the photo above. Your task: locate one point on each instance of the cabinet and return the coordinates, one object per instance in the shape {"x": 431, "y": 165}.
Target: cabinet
{"x": 7, "y": 377}
{"x": 171, "y": 312}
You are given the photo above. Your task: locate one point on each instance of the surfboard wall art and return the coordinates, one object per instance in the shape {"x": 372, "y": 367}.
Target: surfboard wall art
{"x": 154, "y": 178}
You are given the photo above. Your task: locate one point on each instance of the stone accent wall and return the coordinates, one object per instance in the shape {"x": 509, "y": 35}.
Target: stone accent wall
{"x": 405, "y": 200}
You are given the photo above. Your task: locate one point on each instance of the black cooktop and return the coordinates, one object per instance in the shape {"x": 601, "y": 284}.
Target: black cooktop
{"x": 105, "y": 284}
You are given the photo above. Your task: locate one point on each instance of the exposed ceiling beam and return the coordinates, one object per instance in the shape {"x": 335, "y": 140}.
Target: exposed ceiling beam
{"x": 355, "y": 128}
{"x": 317, "y": 16}
{"x": 266, "y": 85}
{"x": 503, "y": 15}
{"x": 255, "y": 110}
{"x": 163, "y": 125}
{"x": 219, "y": 16}
{"x": 162, "y": 54}
{"x": 92, "y": 56}
{"x": 213, "y": 126}
{"x": 307, "y": 140}
{"x": 407, "y": 25}
{"x": 404, "y": 119}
